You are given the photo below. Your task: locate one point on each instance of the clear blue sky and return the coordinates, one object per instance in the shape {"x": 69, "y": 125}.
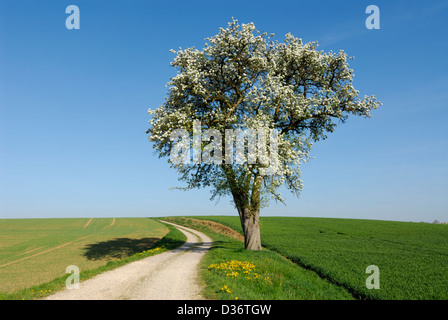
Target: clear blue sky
{"x": 73, "y": 107}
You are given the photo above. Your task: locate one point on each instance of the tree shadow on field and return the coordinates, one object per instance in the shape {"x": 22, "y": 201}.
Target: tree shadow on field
{"x": 118, "y": 248}
{"x": 219, "y": 244}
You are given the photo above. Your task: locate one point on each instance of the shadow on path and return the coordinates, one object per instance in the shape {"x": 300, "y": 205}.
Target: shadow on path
{"x": 118, "y": 248}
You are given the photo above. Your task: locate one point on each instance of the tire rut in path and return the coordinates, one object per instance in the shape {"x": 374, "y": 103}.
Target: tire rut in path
{"x": 172, "y": 275}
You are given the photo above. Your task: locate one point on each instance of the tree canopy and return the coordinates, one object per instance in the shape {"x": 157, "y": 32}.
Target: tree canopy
{"x": 290, "y": 93}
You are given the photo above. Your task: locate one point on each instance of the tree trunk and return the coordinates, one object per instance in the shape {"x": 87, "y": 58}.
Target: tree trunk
{"x": 248, "y": 206}
{"x": 250, "y": 221}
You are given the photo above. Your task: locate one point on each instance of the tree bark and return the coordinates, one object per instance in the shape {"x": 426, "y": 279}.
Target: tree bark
{"x": 248, "y": 206}
{"x": 250, "y": 221}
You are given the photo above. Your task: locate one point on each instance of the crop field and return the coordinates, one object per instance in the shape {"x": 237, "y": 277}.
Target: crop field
{"x": 231, "y": 273}
{"x": 35, "y": 251}
{"x": 412, "y": 258}
{"x": 329, "y": 256}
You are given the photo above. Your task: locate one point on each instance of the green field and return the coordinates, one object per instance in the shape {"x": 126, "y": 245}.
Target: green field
{"x": 325, "y": 258}
{"x": 412, "y": 257}
{"x": 36, "y": 251}
{"x": 230, "y": 272}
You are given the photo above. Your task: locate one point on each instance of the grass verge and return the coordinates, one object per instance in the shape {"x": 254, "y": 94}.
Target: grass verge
{"x": 232, "y": 273}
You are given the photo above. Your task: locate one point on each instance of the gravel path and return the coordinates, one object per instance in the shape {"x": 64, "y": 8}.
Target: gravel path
{"x": 172, "y": 275}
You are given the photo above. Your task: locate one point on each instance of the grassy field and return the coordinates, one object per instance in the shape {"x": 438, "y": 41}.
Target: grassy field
{"x": 230, "y": 272}
{"x": 306, "y": 258}
{"x": 36, "y": 251}
{"x": 412, "y": 257}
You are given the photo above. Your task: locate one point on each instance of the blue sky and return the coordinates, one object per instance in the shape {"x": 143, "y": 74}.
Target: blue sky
{"x": 73, "y": 107}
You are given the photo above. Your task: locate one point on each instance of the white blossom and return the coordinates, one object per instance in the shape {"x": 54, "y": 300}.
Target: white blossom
{"x": 242, "y": 79}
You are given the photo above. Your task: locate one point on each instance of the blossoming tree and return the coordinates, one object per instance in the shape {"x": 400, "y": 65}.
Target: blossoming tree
{"x": 244, "y": 80}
